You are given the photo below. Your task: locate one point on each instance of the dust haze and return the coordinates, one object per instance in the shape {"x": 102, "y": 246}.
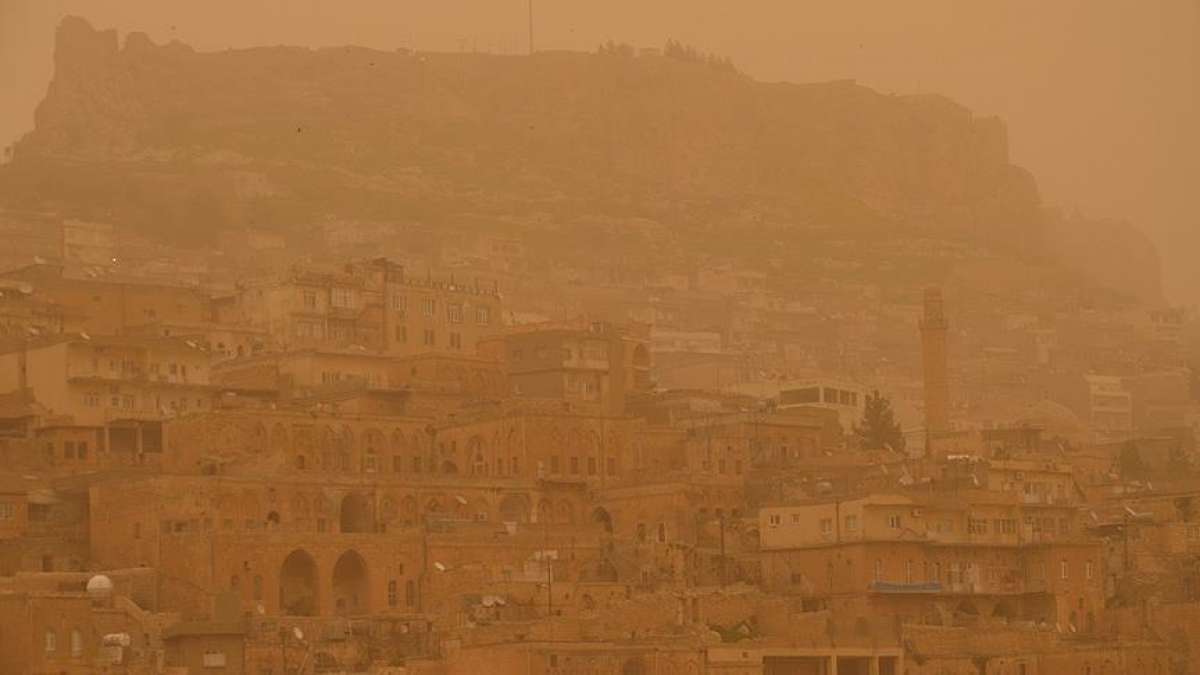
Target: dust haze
{"x": 1101, "y": 98}
{"x": 561, "y": 338}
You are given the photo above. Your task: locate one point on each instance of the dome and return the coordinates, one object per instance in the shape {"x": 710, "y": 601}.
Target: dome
{"x": 99, "y": 586}
{"x": 1055, "y": 419}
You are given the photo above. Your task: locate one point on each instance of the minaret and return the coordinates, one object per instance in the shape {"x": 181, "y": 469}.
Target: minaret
{"x": 933, "y": 356}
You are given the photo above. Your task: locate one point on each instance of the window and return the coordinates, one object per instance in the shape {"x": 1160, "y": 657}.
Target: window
{"x": 455, "y": 341}
{"x": 662, "y": 533}
{"x": 91, "y": 400}
{"x": 69, "y": 449}
{"x": 82, "y": 448}
{"x": 878, "y": 570}
{"x": 454, "y": 312}
{"x": 428, "y": 307}
{"x": 908, "y": 577}
{"x": 416, "y": 464}
{"x": 894, "y": 521}
{"x": 410, "y": 593}
{"x": 976, "y": 526}
{"x": 310, "y": 299}
{"x": 610, "y": 466}
{"x": 774, "y": 519}
{"x": 402, "y": 334}
{"x": 1088, "y": 570}
{"x": 851, "y": 523}
{"x": 591, "y": 466}
{"x": 483, "y": 315}
{"x": 76, "y": 642}
{"x": 554, "y": 464}
{"x": 400, "y": 304}
{"x": 213, "y": 660}
{"x": 341, "y": 297}
{"x": 393, "y": 593}
{"x": 827, "y": 526}
{"x": 430, "y": 338}
{"x": 795, "y": 518}
{"x": 574, "y": 465}
{"x": 7, "y": 510}
{"x": 51, "y": 642}
{"x": 1062, "y": 569}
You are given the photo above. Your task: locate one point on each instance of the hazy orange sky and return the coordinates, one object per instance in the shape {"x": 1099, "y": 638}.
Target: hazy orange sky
{"x": 1102, "y": 97}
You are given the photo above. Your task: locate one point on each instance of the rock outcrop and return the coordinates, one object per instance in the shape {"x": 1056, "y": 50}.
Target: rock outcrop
{"x": 183, "y": 143}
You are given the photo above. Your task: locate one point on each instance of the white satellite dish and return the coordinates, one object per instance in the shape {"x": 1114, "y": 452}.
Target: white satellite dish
{"x": 297, "y": 633}
{"x": 439, "y": 567}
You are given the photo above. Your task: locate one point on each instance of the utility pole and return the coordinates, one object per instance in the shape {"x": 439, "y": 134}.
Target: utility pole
{"x": 549, "y": 567}
{"x": 531, "y": 26}
{"x": 723, "y": 549}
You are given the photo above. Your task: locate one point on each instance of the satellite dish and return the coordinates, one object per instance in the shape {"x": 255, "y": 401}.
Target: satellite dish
{"x": 460, "y": 499}
{"x": 260, "y": 609}
{"x": 99, "y": 587}
{"x": 439, "y": 567}
{"x": 297, "y": 633}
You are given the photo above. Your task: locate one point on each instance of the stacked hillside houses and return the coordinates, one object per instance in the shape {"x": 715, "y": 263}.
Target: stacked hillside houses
{"x": 353, "y": 469}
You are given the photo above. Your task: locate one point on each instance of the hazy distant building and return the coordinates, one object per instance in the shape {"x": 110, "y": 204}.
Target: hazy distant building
{"x": 371, "y": 305}
{"x": 596, "y": 364}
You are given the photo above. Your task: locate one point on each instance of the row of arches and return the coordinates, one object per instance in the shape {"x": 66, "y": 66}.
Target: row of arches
{"x": 364, "y": 513}
{"x": 489, "y": 450}
{"x": 299, "y": 585}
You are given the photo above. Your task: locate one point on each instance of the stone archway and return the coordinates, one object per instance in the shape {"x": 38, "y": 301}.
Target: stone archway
{"x": 514, "y": 508}
{"x": 1003, "y": 611}
{"x": 601, "y": 516}
{"x": 351, "y": 592}
{"x": 298, "y": 585}
{"x": 355, "y": 514}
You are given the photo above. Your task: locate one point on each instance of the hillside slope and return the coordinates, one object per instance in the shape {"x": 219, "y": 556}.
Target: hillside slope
{"x": 182, "y": 144}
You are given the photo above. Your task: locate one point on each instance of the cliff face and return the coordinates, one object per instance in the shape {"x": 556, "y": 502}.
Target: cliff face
{"x": 185, "y": 142}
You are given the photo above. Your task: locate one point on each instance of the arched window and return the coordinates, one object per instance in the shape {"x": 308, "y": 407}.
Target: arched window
{"x": 393, "y": 593}
{"x": 51, "y": 642}
{"x": 410, "y": 593}
{"x": 76, "y": 642}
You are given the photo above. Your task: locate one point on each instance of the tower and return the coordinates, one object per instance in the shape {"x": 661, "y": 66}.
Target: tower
{"x": 933, "y": 356}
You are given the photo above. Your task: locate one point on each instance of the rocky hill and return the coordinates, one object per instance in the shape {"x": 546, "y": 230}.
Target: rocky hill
{"x": 182, "y": 144}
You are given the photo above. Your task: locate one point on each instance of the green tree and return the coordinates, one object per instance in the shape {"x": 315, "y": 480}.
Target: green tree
{"x": 1132, "y": 465}
{"x": 878, "y": 428}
